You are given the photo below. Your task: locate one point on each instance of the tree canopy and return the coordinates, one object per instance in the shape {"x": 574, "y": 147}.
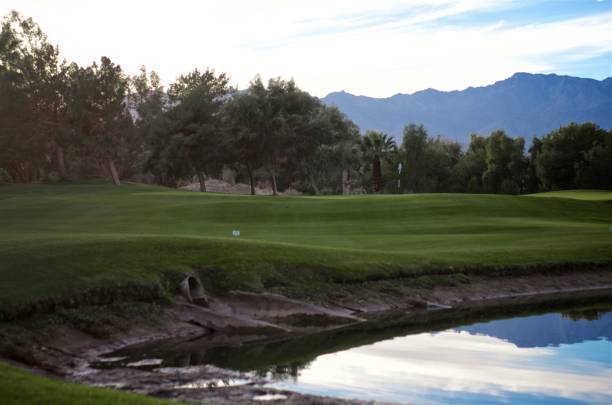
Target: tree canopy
{"x": 60, "y": 120}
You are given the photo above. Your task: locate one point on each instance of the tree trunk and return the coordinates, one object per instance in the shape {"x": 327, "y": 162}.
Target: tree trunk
{"x": 376, "y": 175}
{"x": 313, "y": 183}
{"x": 251, "y": 179}
{"x": 113, "y": 172}
{"x": 27, "y": 172}
{"x": 274, "y": 189}
{"x": 102, "y": 167}
{"x": 19, "y": 173}
{"x": 202, "y": 180}
{"x": 16, "y": 173}
{"x": 61, "y": 163}
{"x": 346, "y": 182}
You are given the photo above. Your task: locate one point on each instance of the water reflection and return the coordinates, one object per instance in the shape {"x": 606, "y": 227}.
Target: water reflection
{"x": 458, "y": 367}
{"x": 549, "y": 359}
{"x": 458, "y": 356}
{"x": 547, "y": 330}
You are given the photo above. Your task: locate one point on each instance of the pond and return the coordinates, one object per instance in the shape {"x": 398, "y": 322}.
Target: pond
{"x": 560, "y": 356}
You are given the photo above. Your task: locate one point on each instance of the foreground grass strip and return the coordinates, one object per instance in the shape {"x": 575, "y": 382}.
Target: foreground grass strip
{"x": 21, "y": 387}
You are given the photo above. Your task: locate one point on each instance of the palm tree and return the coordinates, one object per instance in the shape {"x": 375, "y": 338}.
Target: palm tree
{"x": 375, "y": 146}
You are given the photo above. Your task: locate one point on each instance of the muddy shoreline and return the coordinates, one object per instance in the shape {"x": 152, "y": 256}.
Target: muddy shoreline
{"x": 68, "y": 353}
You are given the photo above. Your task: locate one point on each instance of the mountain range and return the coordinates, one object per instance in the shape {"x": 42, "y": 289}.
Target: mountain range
{"x": 522, "y": 105}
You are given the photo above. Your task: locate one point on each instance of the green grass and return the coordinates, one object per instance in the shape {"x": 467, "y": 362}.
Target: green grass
{"x": 56, "y": 240}
{"x": 22, "y": 387}
{"x": 592, "y": 195}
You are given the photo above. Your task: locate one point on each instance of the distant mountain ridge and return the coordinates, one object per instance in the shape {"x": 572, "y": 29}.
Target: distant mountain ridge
{"x": 523, "y": 105}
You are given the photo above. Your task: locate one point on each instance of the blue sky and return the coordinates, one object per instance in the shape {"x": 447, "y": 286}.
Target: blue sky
{"x": 364, "y": 47}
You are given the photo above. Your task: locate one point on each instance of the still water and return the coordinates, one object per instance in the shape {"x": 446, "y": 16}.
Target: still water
{"x": 546, "y": 358}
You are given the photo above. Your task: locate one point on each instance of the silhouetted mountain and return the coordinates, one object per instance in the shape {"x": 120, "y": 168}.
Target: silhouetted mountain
{"x": 523, "y": 105}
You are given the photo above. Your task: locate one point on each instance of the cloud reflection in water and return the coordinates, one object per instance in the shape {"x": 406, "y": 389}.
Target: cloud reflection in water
{"x": 459, "y": 367}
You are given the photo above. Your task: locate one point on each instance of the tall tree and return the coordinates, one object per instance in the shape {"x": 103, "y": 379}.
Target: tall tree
{"x": 274, "y": 126}
{"x": 322, "y": 148}
{"x": 189, "y": 141}
{"x": 21, "y": 149}
{"x": 281, "y": 104}
{"x": 147, "y": 102}
{"x": 413, "y": 157}
{"x": 506, "y": 164}
{"x": 532, "y": 182}
{"x": 375, "y": 147}
{"x": 428, "y": 164}
{"x": 567, "y": 151}
{"x": 32, "y": 65}
{"x": 147, "y": 97}
{"x": 100, "y": 110}
{"x": 473, "y": 164}
{"x": 243, "y": 120}
{"x": 441, "y": 159}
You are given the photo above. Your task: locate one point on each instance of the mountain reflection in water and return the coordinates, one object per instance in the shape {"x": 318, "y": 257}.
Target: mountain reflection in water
{"x": 545, "y": 330}
{"x": 439, "y": 357}
{"x": 544, "y": 359}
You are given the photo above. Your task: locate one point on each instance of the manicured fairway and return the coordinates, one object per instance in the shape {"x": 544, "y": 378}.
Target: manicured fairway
{"x": 59, "y": 239}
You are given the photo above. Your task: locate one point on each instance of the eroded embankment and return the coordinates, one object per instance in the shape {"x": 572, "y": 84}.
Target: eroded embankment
{"x": 320, "y": 285}
{"x": 67, "y": 342}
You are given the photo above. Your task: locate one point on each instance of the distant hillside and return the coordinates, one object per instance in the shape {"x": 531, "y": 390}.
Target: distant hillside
{"x": 525, "y": 104}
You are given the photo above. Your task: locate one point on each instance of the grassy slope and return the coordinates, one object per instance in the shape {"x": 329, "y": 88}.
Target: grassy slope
{"x": 591, "y": 195}
{"x": 22, "y": 387}
{"x": 55, "y": 239}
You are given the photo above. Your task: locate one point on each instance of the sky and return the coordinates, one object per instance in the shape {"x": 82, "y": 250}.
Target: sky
{"x": 374, "y": 48}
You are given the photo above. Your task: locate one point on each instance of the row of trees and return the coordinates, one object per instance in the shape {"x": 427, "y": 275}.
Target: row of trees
{"x": 573, "y": 156}
{"x": 50, "y": 108}
{"x": 268, "y": 131}
{"x": 61, "y": 120}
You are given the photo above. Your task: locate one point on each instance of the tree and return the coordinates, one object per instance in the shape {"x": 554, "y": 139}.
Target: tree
{"x": 147, "y": 99}
{"x": 319, "y": 145}
{"x": 506, "y": 164}
{"x": 428, "y": 164}
{"x": 375, "y": 147}
{"x": 596, "y": 170}
{"x": 242, "y": 119}
{"x": 567, "y": 152}
{"x": 441, "y": 159}
{"x": 277, "y": 126}
{"x": 473, "y": 164}
{"x": 412, "y": 155}
{"x": 284, "y": 108}
{"x": 21, "y": 150}
{"x": 100, "y": 111}
{"x": 532, "y": 182}
{"x": 32, "y": 65}
{"x": 147, "y": 102}
{"x": 188, "y": 141}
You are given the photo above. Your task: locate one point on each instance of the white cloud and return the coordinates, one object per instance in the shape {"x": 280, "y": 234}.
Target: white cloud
{"x": 374, "y": 48}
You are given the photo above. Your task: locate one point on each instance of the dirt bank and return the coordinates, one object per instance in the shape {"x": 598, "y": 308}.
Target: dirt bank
{"x": 71, "y": 352}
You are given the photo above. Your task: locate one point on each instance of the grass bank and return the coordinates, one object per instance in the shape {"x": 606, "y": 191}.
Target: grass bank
{"x": 588, "y": 195}
{"x": 60, "y": 244}
{"x": 23, "y": 387}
